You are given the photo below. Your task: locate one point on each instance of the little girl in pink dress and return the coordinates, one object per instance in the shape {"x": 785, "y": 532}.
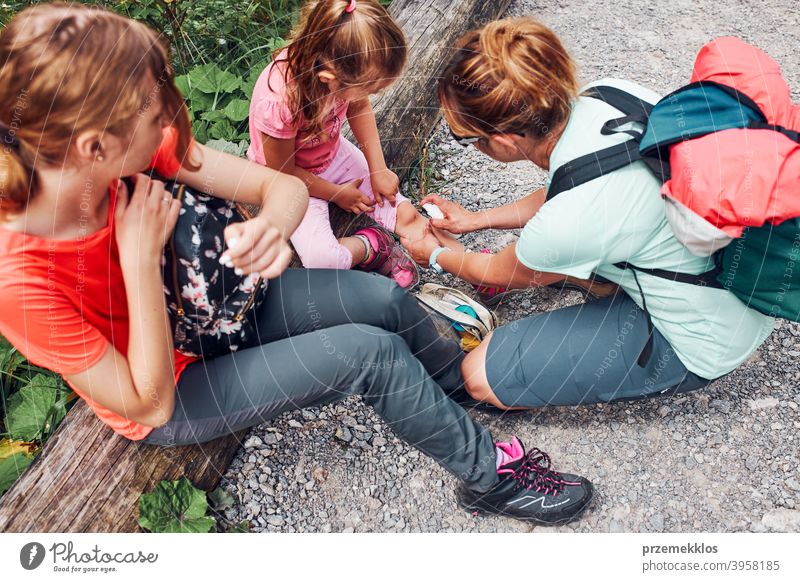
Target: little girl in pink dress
{"x": 339, "y": 54}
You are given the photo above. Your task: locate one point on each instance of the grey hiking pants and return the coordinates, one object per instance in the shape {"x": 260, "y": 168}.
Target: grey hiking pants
{"x": 327, "y": 334}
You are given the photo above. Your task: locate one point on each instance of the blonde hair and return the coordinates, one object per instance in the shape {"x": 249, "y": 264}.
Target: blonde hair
{"x": 69, "y": 68}
{"x": 512, "y": 75}
{"x": 365, "y": 45}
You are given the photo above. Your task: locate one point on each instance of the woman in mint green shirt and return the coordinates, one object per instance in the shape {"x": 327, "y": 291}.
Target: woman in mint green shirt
{"x": 511, "y": 90}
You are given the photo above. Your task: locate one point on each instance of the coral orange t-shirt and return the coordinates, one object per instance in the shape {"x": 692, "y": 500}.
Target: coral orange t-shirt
{"x": 64, "y": 301}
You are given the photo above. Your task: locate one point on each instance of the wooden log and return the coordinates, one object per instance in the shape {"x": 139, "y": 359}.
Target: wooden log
{"x": 87, "y": 478}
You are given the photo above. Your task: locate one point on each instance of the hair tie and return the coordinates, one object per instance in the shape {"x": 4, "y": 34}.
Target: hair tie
{"x": 8, "y": 137}
{"x": 351, "y": 7}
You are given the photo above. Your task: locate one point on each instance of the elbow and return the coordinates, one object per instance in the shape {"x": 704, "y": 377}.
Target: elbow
{"x": 157, "y": 412}
{"x": 157, "y": 418}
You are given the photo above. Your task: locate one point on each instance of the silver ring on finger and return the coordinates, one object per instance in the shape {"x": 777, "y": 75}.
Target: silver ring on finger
{"x": 167, "y": 199}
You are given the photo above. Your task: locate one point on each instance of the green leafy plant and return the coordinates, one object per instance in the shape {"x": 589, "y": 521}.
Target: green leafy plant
{"x": 33, "y": 400}
{"x": 15, "y": 456}
{"x": 175, "y": 507}
{"x": 180, "y": 507}
{"x": 36, "y": 409}
{"x": 219, "y": 101}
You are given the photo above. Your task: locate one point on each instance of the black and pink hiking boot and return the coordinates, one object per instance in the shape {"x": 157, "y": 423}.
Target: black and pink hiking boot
{"x": 388, "y": 257}
{"x": 529, "y": 489}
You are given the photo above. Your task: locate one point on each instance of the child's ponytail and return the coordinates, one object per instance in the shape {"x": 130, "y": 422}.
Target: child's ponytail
{"x": 358, "y": 41}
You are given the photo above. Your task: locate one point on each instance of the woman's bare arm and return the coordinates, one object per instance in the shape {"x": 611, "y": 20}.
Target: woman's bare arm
{"x": 513, "y": 215}
{"x": 502, "y": 269}
{"x": 282, "y": 198}
{"x": 140, "y": 385}
{"x": 458, "y": 219}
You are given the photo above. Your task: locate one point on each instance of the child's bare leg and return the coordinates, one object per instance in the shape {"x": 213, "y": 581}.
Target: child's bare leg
{"x": 412, "y": 225}
{"x": 356, "y": 247}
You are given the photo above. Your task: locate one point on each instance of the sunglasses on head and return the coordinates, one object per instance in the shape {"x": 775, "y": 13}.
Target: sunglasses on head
{"x": 468, "y": 141}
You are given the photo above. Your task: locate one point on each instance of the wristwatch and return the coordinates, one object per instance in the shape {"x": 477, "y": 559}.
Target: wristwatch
{"x": 432, "y": 261}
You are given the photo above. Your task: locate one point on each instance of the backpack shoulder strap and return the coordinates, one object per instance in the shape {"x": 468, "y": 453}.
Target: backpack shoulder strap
{"x": 707, "y": 279}
{"x": 596, "y": 164}
{"x": 627, "y": 103}
{"x": 591, "y": 166}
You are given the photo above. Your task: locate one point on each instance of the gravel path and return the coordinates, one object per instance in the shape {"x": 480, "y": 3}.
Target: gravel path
{"x": 722, "y": 459}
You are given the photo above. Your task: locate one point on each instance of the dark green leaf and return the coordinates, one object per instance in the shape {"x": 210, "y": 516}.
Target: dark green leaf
{"x": 34, "y": 410}
{"x": 250, "y": 83}
{"x": 220, "y": 499}
{"x": 182, "y": 83}
{"x": 10, "y": 361}
{"x": 175, "y": 507}
{"x": 200, "y": 131}
{"x": 11, "y": 468}
{"x": 222, "y": 129}
{"x": 237, "y": 109}
{"x": 199, "y": 102}
{"x": 212, "y": 115}
{"x": 211, "y": 79}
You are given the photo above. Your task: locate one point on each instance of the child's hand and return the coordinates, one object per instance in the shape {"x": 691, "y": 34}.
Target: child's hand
{"x": 256, "y": 246}
{"x": 144, "y": 219}
{"x": 385, "y": 185}
{"x": 350, "y": 198}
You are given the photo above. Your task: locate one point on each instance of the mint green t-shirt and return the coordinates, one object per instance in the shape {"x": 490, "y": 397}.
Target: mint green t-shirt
{"x": 621, "y": 217}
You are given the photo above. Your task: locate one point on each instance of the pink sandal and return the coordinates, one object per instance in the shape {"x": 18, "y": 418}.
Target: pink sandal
{"x": 389, "y": 257}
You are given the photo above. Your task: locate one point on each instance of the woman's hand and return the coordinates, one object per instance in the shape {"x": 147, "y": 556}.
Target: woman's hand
{"x": 144, "y": 220}
{"x": 421, "y": 249}
{"x": 349, "y": 197}
{"x": 457, "y": 219}
{"x": 256, "y": 246}
{"x": 385, "y": 185}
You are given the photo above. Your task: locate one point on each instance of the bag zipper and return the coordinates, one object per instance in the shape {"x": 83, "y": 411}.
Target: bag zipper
{"x": 247, "y": 215}
{"x": 175, "y": 287}
{"x": 239, "y": 316}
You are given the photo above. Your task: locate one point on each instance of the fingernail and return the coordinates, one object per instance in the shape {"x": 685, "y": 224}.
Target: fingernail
{"x": 233, "y": 242}
{"x": 238, "y": 271}
{"x": 224, "y": 259}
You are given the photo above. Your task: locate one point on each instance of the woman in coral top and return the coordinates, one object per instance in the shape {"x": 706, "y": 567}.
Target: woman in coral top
{"x": 88, "y": 97}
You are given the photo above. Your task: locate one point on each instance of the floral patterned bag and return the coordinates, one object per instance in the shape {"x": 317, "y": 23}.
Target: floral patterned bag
{"x": 211, "y": 308}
